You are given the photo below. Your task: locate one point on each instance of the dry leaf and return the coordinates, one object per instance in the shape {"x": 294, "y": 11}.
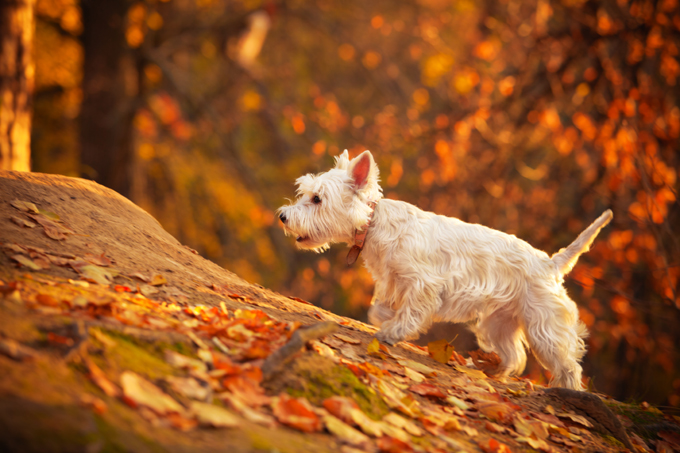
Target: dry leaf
{"x": 24, "y": 206}
{"x": 181, "y": 361}
{"x": 141, "y": 392}
{"x": 488, "y": 362}
{"x": 344, "y": 432}
{"x": 189, "y": 387}
{"x": 16, "y": 351}
{"x": 389, "y": 444}
{"x": 575, "y": 418}
{"x": 427, "y": 390}
{"x": 347, "y": 339}
{"x": 246, "y": 411}
{"x": 296, "y": 413}
{"x": 99, "y": 260}
{"x": 100, "y": 379}
{"x": 400, "y": 422}
{"x": 211, "y": 415}
{"x": 419, "y": 367}
{"x": 440, "y": 350}
{"x": 22, "y": 222}
{"x": 493, "y": 446}
{"x": 158, "y": 280}
{"x": 498, "y": 412}
{"x": 26, "y": 261}
{"x": 95, "y": 274}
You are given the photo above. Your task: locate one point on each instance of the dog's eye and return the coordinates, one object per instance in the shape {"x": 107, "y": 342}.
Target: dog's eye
{"x": 316, "y": 199}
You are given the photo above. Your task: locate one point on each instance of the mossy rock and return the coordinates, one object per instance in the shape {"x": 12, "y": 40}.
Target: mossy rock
{"x": 317, "y": 378}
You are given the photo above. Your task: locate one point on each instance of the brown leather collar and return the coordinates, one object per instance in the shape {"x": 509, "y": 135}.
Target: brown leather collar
{"x": 360, "y": 237}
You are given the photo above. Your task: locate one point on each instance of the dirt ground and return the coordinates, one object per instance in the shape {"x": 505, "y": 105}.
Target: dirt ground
{"x": 51, "y": 400}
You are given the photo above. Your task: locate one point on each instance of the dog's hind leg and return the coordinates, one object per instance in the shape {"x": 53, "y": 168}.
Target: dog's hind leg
{"x": 555, "y": 335}
{"x": 501, "y": 333}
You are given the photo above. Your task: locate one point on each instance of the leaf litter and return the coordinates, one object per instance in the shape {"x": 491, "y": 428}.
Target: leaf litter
{"x": 231, "y": 344}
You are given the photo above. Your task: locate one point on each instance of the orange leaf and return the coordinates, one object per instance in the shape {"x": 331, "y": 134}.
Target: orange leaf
{"x": 488, "y": 362}
{"x": 427, "y": 390}
{"x": 493, "y": 446}
{"x": 389, "y": 444}
{"x": 440, "y": 350}
{"x": 296, "y": 413}
{"x": 99, "y": 378}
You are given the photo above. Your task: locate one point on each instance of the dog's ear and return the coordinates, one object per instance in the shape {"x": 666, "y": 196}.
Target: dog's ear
{"x": 363, "y": 171}
{"x": 342, "y": 161}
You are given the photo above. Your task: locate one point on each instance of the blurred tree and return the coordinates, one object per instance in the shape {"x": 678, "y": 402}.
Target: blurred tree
{"x": 16, "y": 83}
{"x": 530, "y": 117}
{"x": 110, "y": 87}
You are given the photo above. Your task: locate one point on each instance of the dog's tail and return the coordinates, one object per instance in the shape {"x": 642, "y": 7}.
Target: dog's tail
{"x": 566, "y": 258}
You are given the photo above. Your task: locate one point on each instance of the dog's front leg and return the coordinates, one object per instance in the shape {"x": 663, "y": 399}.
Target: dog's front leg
{"x": 414, "y": 315}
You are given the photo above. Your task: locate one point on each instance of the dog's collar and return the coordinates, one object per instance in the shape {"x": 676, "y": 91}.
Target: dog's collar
{"x": 360, "y": 237}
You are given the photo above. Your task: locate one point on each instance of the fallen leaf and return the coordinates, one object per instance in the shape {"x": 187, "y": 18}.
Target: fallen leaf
{"x": 122, "y": 289}
{"x": 400, "y": 422}
{"x": 59, "y": 339}
{"x": 373, "y": 349}
{"x": 95, "y": 274}
{"x": 396, "y": 399}
{"x": 457, "y": 402}
{"x": 493, "y": 446}
{"x": 211, "y": 415}
{"x": 26, "y": 261}
{"x": 296, "y": 413}
{"x": 575, "y": 418}
{"x": 22, "y": 222}
{"x": 17, "y": 351}
{"x": 100, "y": 379}
{"x": 24, "y": 206}
{"x": 181, "y": 361}
{"x": 47, "y": 300}
{"x": 495, "y": 428}
{"x": 141, "y": 392}
{"x": 347, "y": 339}
{"x": 488, "y": 362}
{"x": 246, "y": 411}
{"x": 344, "y": 432}
{"x": 470, "y": 372}
{"x": 347, "y": 410}
{"x": 427, "y": 390}
{"x": 349, "y": 352}
{"x": 247, "y": 390}
{"x": 97, "y": 405}
{"x": 189, "y": 387}
{"x": 49, "y": 215}
{"x": 417, "y": 366}
{"x": 139, "y": 276}
{"x": 389, "y": 444}
{"x": 158, "y": 280}
{"x": 180, "y": 422}
{"x": 440, "y": 350}
{"x": 99, "y": 260}
{"x": 498, "y": 412}
{"x": 413, "y": 375}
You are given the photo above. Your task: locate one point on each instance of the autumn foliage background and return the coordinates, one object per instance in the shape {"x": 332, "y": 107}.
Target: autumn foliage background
{"x": 531, "y": 117}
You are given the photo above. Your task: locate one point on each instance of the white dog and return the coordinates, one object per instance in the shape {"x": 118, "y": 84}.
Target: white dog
{"x": 429, "y": 267}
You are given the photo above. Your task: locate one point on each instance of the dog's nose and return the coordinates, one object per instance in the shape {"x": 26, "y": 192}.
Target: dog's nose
{"x": 283, "y": 218}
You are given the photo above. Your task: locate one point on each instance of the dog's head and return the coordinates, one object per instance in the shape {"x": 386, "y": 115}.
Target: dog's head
{"x": 332, "y": 205}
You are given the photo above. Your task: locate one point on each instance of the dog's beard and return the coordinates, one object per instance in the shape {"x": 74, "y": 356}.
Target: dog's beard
{"x": 308, "y": 242}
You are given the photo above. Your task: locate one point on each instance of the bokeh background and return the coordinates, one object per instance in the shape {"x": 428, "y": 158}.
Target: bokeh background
{"x": 528, "y": 116}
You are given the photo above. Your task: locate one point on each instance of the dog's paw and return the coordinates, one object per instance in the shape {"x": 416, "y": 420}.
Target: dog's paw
{"x": 385, "y": 337}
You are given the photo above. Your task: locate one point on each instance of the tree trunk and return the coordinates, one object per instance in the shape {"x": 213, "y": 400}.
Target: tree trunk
{"x": 16, "y": 83}
{"x": 109, "y": 90}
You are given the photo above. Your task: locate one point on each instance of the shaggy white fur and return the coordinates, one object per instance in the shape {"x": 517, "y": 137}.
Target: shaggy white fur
{"x": 429, "y": 267}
